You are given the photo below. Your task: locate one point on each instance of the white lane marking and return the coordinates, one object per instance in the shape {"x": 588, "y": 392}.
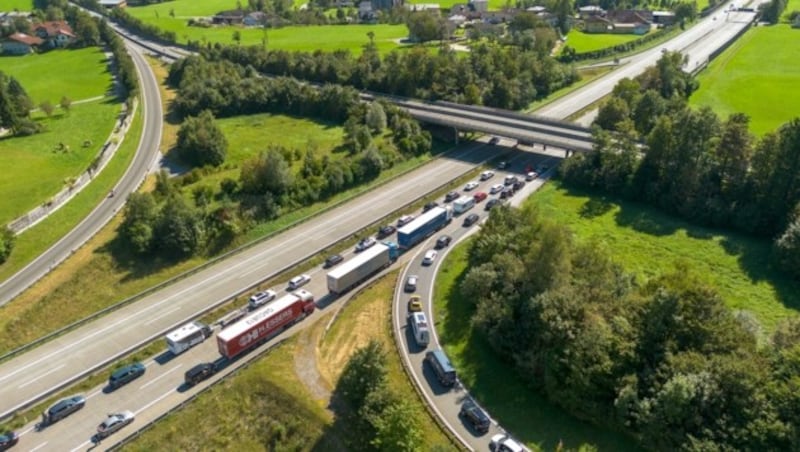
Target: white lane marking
{"x": 39, "y": 446}
{"x": 94, "y": 394}
{"x": 218, "y": 277}
{"x": 80, "y": 446}
{"x": 30, "y": 429}
{"x": 159, "y": 377}
{"x": 41, "y": 376}
{"x": 165, "y": 313}
{"x": 154, "y": 402}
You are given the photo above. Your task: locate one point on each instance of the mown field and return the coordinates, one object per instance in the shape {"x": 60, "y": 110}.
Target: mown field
{"x": 36, "y": 167}
{"x": 288, "y": 391}
{"x": 587, "y": 42}
{"x": 758, "y": 75}
{"x": 297, "y": 38}
{"x": 16, "y": 5}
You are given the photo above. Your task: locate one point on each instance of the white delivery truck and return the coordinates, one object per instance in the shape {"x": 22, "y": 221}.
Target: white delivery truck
{"x": 463, "y": 204}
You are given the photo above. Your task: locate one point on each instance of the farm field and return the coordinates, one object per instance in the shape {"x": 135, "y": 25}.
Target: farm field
{"x": 34, "y": 168}
{"x": 294, "y": 38}
{"x": 80, "y": 74}
{"x": 587, "y": 42}
{"x": 16, "y": 5}
{"x": 529, "y": 416}
{"x": 757, "y": 75}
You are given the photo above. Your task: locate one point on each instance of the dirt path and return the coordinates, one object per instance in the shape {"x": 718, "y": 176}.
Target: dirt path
{"x": 305, "y": 363}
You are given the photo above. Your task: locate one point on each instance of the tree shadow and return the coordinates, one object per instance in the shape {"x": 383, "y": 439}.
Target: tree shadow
{"x": 644, "y": 220}
{"x": 136, "y": 266}
{"x": 595, "y": 207}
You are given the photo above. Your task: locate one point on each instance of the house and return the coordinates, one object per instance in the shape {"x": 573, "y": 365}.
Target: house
{"x": 255, "y": 19}
{"x": 7, "y": 19}
{"x": 479, "y": 6}
{"x": 109, "y": 4}
{"x": 465, "y": 9}
{"x": 617, "y": 22}
{"x": 232, "y": 17}
{"x": 597, "y": 24}
{"x": 592, "y": 10}
{"x": 457, "y": 19}
{"x": 499, "y": 17}
{"x": 664, "y": 18}
{"x": 628, "y": 16}
{"x": 432, "y": 7}
{"x": 21, "y": 44}
{"x": 54, "y": 33}
{"x": 536, "y": 9}
{"x": 385, "y": 5}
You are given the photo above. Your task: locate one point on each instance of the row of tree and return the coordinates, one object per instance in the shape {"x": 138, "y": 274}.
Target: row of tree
{"x": 569, "y": 54}
{"x": 772, "y": 10}
{"x": 709, "y": 171}
{"x": 493, "y": 75}
{"x": 15, "y": 108}
{"x": 666, "y": 361}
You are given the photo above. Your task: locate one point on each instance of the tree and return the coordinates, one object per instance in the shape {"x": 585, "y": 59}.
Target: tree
{"x": 47, "y": 108}
{"x": 237, "y": 37}
{"x": 200, "y": 141}
{"x": 7, "y": 239}
{"x": 65, "y": 103}
{"x": 376, "y": 118}
{"x": 397, "y": 427}
{"x": 86, "y": 30}
{"x": 424, "y": 26}
{"x": 137, "y": 226}
{"x": 612, "y": 113}
{"x": 364, "y": 372}
{"x": 267, "y": 173}
{"x": 19, "y": 97}
{"x": 787, "y": 248}
{"x": 178, "y": 232}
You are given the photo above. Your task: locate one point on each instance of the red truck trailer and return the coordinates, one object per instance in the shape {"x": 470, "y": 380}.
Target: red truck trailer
{"x": 262, "y": 323}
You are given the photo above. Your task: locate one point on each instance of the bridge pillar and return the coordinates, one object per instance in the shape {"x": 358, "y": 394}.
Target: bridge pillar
{"x": 455, "y": 135}
{"x": 566, "y": 153}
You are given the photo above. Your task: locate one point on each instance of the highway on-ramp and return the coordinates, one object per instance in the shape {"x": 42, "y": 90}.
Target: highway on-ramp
{"x": 143, "y": 160}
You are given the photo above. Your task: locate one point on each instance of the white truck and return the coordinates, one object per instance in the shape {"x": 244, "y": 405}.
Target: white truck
{"x": 463, "y": 204}
{"x": 359, "y": 268}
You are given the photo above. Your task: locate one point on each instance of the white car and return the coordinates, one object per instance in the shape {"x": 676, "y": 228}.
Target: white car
{"x": 471, "y": 186}
{"x": 404, "y": 220}
{"x": 531, "y": 176}
{"x": 496, "y": 188}
{"x": 365, "y": 243}
{"x": 486, "y": 175}
{"x": 114, "y": 422}
{"x": 298, "y": 281}
{"x": 504, "y": 443}
{"x": 430, "y": 256}
{"x": 262, "y": 298}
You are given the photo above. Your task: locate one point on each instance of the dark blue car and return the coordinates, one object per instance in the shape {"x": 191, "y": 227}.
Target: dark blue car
{"x": 125, "y": 375}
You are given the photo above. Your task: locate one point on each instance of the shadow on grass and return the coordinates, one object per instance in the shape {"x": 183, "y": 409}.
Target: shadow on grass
{"x": 595, "y": 207}
{"x": 136, "y": 266}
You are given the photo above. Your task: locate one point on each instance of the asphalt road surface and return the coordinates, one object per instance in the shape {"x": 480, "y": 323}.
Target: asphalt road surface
{"x": 56, "y": 364}
{"x": 142, "y": 162}
{"x": 446, "y": 402}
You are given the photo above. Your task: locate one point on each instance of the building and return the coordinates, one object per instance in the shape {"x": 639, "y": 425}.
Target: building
{"x": 113, "y": 3}
{"x": 663, "y": 17}
{"x": 592, "y": 10}
{"x": 232, "y": 17}
{"x": 479, "y": 6}
{"x": 20, "y": 44}
{"x": 54, "y": 33}
{"x": 385, "y": 5}
{"x": 536, "y": 9}
{"x": 255, "y": 19}
{"x": 618, "y": 22}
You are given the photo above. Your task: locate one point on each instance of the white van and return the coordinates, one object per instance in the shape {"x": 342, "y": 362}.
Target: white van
{"x": 419, "y": 325}
{"x": 463, "y": 204}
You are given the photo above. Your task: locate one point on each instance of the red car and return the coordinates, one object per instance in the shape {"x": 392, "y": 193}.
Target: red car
{"x": 479, "y": 196}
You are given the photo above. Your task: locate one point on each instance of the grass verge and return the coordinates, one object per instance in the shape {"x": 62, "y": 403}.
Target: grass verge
{"x": 527, "y": 414}
{"x": 587, "y": 42}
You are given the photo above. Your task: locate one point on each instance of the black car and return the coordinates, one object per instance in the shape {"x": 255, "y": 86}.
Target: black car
{"x": 443, "y": 241}
{"x": 452, "y": 196}
{"x": 471, "y": 219}
{"x": 333, "y": 260}
{"x": 507, "y": 193}
{"x": 127, "y": 374}
{"x": 63, "y": 408}
{"x": 8, "y": 439}
{"x": 475, "y": 416}
{"x": 199, "y": 373}
{"x": 386, "y": 231}
{"x": 518, "y": 185}
{"x": 492, "y": 202}
{"x": 430, "y": 206}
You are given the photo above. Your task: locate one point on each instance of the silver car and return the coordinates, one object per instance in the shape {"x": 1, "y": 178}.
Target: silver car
{"x": 114, "y": 422}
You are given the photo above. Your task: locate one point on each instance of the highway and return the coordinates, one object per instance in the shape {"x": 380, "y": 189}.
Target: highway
{"x": 142, "y": 162}
{"x": 31, "y": 376}
{"x": 446, "y": 401}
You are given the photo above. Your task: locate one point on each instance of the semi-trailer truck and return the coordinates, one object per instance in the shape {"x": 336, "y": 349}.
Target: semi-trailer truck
{"x": 366, "y": 264}
{"x": 424, "y": 226}
{"x": 262, "y": 323}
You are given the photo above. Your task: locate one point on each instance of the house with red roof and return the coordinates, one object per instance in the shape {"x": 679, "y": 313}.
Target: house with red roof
{"x": 55, "y": 33}
{"x": 20, "y": 44}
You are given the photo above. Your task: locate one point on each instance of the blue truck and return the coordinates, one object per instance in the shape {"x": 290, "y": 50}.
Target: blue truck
{"x": 361, "y": 267}
{"x": 424, "y": 226}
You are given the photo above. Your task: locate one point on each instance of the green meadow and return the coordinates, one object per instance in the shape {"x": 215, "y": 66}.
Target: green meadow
{"x": 587, "y": 42}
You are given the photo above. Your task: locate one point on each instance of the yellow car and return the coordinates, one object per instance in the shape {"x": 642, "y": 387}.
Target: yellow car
{"x": 415, "y": 303}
